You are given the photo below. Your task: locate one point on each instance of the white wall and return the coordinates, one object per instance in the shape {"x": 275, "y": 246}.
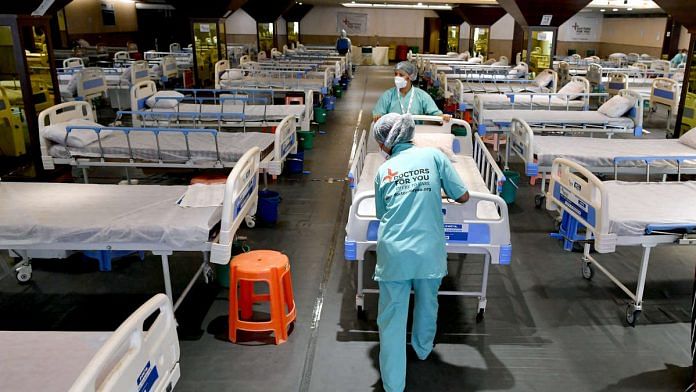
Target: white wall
{"x": 634, "y": 31}
{"x": 321, "y": 20}
{"x": 684, "y": 38}
{"x": 240, "y": 23}
{"x": 504, "y": 28}
{"x": 282, "y": 26}
{"x": 464, "y": 31}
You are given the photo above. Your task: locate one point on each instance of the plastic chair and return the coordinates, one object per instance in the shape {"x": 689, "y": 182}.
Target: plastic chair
{"x": 261, "y": 266}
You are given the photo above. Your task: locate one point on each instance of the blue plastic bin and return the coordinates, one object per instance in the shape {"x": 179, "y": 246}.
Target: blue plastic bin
{"x": 269, "y": 202}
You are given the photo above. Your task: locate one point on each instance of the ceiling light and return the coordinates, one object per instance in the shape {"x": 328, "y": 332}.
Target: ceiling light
{"x": 615, "y": 9}
{"x": 602, "y": 10}
{"x": 629, "y": 9}
{"x": 419, "y": 6}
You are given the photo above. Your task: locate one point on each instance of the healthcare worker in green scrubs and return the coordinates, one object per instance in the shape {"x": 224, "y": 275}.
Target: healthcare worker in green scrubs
{"x": 411, "y": 242}
{"x": 404, "y": 97}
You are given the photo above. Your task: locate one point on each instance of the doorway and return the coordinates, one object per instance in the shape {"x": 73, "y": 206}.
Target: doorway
{"x": 431, "y": 35}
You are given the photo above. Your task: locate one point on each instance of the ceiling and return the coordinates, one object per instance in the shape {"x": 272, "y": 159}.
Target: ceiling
{"x": 338, "y": 2}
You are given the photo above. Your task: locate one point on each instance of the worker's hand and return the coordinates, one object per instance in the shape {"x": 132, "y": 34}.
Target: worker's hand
{"x": 463, "y": 198}
{"x": 446, "y": 117}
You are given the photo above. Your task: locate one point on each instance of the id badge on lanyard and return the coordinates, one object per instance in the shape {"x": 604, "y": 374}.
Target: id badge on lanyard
{"x": 410, "y": 101}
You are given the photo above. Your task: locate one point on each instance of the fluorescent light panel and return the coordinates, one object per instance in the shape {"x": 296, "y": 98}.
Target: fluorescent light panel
{"x": 418, "y": 6}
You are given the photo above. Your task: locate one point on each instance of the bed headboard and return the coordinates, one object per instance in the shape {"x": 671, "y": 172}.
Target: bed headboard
{"x": 580, "y": 193}
{"x": 91, "y": 82}
{"x": 617, "y": 81}
{"x": 553, "y": 86}
{"x": 563, "y": 73}
{"x": 121, "y": 56}
{"x": 61, "y": 113}
{"x": 636, "y": 113}
{"x": 594, "y": 74}
{"x": 169, "y": 67}
{"x": 661, "y": 66}
{"x": 139, "y": 71}
{"x": 73, "y": 62}
{"x": 139, "y": 93}
{"x": 664, "y": 91}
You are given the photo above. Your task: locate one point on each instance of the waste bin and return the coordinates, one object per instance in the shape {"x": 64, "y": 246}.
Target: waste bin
{"x": 512, "y": 182}
{"x": 401, "y": 53}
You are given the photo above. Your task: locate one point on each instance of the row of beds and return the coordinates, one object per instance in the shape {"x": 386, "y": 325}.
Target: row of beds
{"x": 143, "y": 353}
{"x": 552, "y": 144}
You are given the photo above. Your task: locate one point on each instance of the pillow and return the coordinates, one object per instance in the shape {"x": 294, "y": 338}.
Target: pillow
{"x": 77, "y": 138}
{"x": 72, "y": 85}
{"x": 543, "y": 79}
{"x": 476, "y": 60}
{"x": 441, "y": 141}
{"x": 232, "y": 74}
{"x": 617, "y": 106}
{"x": 689, "y": 138}
{"x": 574, "y": 89}
{"x": 152, "y": 102}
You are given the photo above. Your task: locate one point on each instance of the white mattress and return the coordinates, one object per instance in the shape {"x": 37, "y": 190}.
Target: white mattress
{"x": 464, "y": 165}
{"x": 45, "y": 361}
{"x": 48, "y": 213}
{"x": 574, "y": 117}
{"x": 251, "y": 112}
{"x": 492, "y": 101}
{"x": 600, "y": 152}
{"x": 478, "y": 87}
{"x": 231, "y": 145}
{"x": 306, "y": 84}
{"x": 633, "y": 206}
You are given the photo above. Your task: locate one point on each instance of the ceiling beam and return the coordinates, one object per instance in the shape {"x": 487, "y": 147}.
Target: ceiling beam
{"x": 682, "y": 11}
{"x": 267, "y": 11}
{"x": 480, "y": 15}
{"x": 530, "y": 12}
{"x": 26, "y": 7}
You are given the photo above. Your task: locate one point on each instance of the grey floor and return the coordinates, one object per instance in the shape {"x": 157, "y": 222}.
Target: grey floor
{"x": 545, "y": 329}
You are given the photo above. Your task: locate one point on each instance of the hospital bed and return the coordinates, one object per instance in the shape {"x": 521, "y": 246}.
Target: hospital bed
{"x": 529, "y": 99}
{"x": 108, "y": 146}
{"x": 598, "y": 155}
{"x": 563, "y": 120}
{"x": 232, "y": 109}
{"x": 618, "y": 213}
{"x": 479, "y": 226}
{"x": 466, "y": 89}
{"x": 226, "y": 78}
{"x": 131, "y": 358}
{"x": 183, "y": 60}
{"x": 60, "y": 218}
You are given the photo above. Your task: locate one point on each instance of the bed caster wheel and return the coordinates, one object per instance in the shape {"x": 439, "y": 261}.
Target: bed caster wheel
{"x": 632, "y": 315}
{"x": 539, "y": 200}
{"x": 250, "y": 222}
{"x": 23, "y": 274}
{"x": 362, "y": 315}
{"x": 479, "y": 315}
{"x": 587, "y": 271}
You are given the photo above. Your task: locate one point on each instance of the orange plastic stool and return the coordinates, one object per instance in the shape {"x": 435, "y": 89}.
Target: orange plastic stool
{"x": 209, "y": 178}
{"x": 261, "y": 266}
{"x": 294, "y": 100}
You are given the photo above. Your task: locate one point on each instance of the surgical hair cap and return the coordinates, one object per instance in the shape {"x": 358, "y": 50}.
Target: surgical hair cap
{"x": 407, "y": 67}
{"x": 343, "y": 33}
{"x": 393, "y": 128}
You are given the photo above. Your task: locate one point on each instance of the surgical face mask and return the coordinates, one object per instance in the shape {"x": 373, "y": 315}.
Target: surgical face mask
{"x": 400, "y": 82}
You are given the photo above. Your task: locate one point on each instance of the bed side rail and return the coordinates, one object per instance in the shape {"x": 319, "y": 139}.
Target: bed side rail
{"x": 522, "y": 144}
{"x": 134, "y": 357}
{"x": 636, "y": 113}
{"x": 239, "y": 203}
{"x": 285, "y": 144}
{"x": 579, "y": 193}
{"x": 357, "y": 162}
{"x": 487, "y": 166}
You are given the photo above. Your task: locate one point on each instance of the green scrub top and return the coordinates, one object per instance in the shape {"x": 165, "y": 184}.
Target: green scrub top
{"x": 408, "y": 201}
{"x": 678, "y": 59}
{"x": 422, "y": 104}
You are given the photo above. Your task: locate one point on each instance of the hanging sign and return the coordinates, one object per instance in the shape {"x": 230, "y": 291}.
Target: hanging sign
{"x": 546, "y": 20}
{"x": 43, "y": 7}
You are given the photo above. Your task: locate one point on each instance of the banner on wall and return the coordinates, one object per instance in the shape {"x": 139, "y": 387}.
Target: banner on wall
{"x": 583, "y": 28}
{"x": 352, "y": 23}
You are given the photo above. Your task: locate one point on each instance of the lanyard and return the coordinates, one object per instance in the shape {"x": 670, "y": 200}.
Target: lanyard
{"x": 410, "y": 101}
